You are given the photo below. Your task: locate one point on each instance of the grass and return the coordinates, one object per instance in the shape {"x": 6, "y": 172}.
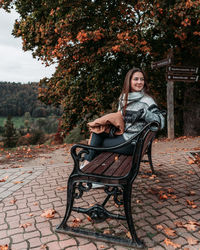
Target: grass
{"x": 18, "y": 121}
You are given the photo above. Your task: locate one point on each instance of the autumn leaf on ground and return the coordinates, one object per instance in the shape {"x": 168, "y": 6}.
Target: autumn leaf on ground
{"x": 171, "y": 175}
{"x": 179, "y": 224}
{"x": 168, "y": 242}
{"x": 44, "y": 246}
{"x": 153, "y": 176}
{"x": 169, "y": 231}
{"x": 76, "y": 222}
{"x": 4, "y": 179}
{"x": 162, "y": 196}
{"x": 107, "y": 231}
{"x": 190, "y": 227}
{"x": 192, "y": 241}
{"x": 191, "y": 162}
{"x": 101, "y": 246}
{"x": 191, "y": 203}
{"x": 89, "y": 218}
{"x": 49, "y": 213}
{"x": 128, "y": 234}
{"x": 192, "y": 192}
{"x": 116, "y": 158}
{"x": 159, "y": 227}
{"x": 4, "y": 247}
{"x": 25, "y": 225}
{"x": 13, "y": 201}
{"x": 61, "y": 188}
{"x": 17, "y": 182}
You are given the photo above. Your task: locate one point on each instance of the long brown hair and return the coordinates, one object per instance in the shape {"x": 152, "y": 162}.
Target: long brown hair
{"x": 127, "y": 85}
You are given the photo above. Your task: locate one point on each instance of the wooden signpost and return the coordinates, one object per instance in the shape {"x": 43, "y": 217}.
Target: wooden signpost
{"x": 174, "y": 74}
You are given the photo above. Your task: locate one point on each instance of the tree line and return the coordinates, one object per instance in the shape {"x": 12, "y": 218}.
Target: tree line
{"x": 16, "y": 99}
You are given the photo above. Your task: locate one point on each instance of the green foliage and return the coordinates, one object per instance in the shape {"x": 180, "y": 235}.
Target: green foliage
{"x": 10, "y": 135}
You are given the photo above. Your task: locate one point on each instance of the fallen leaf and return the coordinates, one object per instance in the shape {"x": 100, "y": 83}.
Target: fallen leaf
{"x": 190, "y": 227}
{"x": 101, "y": 246}
{"x": 25, "y": 225}
{"x": 191, "y": 162}
{"x": 89, "y": 218}
{"x": 171, "y": 175}
{"x": 159, "y": 227}
{"x": 107, "y": 231}
{"x": 76, "y": 222}
{"x": 169, "y": 242}
{"x": 153, "y": 176}
{"x": 49, "y": 213}
{"x": 35, "y": 203}
{"x": 192, "y": 241}
{"x": 128, "y": 234}
{"x": 17, "y": 182}
{"x": 163, "y": 197}
{"x": 4, "y": 179}
{"x": 116, "y": 158}
{"x": 169, "y": 231}
{"x": 30, "y": 214}
{"x": 4, "y": 247}
{"x": 13, "y": 201}
{"x": 192, "y": 192}
{"x": 61, "y": 188}
{"x": 44, "y": 246}
{"x": 191, "y": 203}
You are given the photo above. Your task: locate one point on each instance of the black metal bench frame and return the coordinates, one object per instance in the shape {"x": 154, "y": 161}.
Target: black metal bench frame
{"x": 118, "y": 184}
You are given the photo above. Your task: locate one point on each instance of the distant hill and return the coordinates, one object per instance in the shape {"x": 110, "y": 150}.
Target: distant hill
{"x": 16, "y": 99}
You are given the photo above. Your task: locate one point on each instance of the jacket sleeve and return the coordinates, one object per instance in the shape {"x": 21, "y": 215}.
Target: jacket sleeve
{"x": 153, "y": 114}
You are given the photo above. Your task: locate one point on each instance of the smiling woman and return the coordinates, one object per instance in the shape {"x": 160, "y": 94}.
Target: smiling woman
{"x": 15, "y": 64}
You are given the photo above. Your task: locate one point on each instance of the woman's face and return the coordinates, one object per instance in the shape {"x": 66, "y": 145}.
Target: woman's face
{"x": 137, "y": 82}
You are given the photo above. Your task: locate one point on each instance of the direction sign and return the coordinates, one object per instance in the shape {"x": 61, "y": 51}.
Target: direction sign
{"x": 182, "y": 78}
{"x": 161, "y": 63}
{"x": 182, "y": 69}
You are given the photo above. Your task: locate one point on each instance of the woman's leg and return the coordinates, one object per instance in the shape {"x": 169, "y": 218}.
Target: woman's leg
{"x": 96, "y": 140}
{"x": 109, "y": 142}
{"x": 103, "y": 140}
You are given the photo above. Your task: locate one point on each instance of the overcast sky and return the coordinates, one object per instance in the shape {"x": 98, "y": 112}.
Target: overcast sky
{"x": 15, "y": 64}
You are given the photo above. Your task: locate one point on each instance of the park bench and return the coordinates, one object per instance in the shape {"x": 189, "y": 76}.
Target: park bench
{"x": 116, "y": 172}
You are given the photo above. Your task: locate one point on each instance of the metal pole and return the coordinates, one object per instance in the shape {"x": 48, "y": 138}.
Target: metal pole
{"x": 170, "y": 109}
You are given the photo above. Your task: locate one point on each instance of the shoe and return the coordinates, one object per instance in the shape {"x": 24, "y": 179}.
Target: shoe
{"x": 82, "y": 165}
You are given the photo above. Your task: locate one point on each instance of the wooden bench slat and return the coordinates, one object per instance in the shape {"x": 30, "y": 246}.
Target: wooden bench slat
{"x": 116, "y": 164}
{"x": 125, "y": 167}
{"x": 90, "y": 167}
{"x": 105, "y": 165}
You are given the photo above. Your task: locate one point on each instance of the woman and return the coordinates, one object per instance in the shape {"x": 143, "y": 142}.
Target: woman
{"x": 137, "y": 109}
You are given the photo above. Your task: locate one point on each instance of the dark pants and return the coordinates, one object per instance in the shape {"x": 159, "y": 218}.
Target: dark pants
{"x": 103, "y": 140}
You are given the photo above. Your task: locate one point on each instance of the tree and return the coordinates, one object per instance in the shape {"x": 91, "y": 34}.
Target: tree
{"x": 10, "y": 136}
{"x": 95, "y": 43}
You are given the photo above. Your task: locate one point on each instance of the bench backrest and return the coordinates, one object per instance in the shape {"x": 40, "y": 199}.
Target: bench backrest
{"x": 143, "y": 142}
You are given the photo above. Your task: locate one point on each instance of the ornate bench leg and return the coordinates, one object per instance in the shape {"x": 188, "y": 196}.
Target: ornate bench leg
{"x": 70, "y": 201}
{"x": 127, "y": 209}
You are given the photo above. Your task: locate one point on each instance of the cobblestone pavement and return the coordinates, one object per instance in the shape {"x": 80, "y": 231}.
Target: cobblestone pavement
{"x": 166, "y": 207}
